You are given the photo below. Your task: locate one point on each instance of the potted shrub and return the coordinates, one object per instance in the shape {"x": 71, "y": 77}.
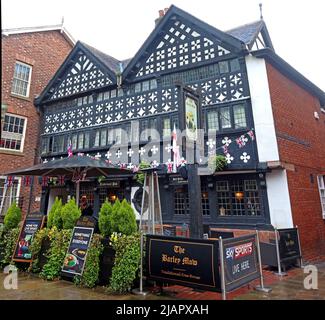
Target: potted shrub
{"x": 54, "y": 216}
{"x": 123, "y": 218}
{"x": 217, "y": 163}
{"x": 70, "y": 213}
{"x": 12, "y": 217}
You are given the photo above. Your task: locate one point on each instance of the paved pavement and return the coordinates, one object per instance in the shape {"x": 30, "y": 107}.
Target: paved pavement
{"x": 283, "y": 288}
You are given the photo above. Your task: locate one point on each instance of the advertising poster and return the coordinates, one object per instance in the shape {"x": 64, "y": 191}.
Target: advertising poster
{"x": 240, "y": 261}
{"x": 74, "y": 261}
{"x": 31, "y": 225}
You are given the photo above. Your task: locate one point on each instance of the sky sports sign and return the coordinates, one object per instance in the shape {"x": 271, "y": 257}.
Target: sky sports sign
{"x": 240, "y": 261}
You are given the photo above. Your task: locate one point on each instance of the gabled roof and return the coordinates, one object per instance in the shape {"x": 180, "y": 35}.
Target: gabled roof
{"x": 248, "y": 33}
{"x": 56, "y": 27}
{"x": 112, "y": 63}
{"x": 173, "y": 10}
{"x": 106, "y": 62}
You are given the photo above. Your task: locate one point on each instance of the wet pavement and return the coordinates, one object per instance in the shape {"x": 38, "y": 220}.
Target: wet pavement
{"x": 31, "y": 287}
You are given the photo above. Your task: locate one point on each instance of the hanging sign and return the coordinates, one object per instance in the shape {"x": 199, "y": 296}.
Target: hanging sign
{"x": 75, "y": 259}
{"x": 240, "y": 261}
{"x": 188, "y": 262}
{"x": 32, "y": 223}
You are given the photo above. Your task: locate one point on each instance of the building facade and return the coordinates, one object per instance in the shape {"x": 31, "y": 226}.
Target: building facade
{"x": 104, "y": 107}
{"x": 30, "y": 57}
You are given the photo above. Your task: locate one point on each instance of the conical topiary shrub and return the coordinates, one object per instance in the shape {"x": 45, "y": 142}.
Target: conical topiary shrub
{"x": 70, "y": 213}
{"x": 12, "y": 217}
{"x": 54, "y": 216}
{"x": 104, "y": 222}
{"x": 123, "y": 218}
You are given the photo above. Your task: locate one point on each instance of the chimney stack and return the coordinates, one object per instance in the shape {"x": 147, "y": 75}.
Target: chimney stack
{"x": 161, "y": 15}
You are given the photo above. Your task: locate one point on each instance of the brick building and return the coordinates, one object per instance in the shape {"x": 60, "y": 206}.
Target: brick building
{"x": 263, "y": 115}
{"x": 30, "y": 57}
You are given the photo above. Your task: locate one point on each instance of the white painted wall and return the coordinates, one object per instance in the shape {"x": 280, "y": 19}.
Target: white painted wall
{"x": 262, "y": 109}
{"x": 279, "y": 199}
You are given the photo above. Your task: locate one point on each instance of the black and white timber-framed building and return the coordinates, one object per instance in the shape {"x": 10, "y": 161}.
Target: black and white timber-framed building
{"x": 92, "y": 93}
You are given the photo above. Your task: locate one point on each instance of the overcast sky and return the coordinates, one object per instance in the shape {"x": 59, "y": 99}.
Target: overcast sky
{"x": 119, "y": 27}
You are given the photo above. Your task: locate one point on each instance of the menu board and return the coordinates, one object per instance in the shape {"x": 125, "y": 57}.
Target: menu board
{"x": 289, "y": 244}
{"x": 32, "y": 223}
{"x": 75, "y": 259}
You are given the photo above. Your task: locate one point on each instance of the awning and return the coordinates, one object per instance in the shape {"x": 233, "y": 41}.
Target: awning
{"x": 69, "y": 166}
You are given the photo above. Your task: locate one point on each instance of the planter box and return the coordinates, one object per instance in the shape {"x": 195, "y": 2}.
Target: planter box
{"x": 106, "y": 263}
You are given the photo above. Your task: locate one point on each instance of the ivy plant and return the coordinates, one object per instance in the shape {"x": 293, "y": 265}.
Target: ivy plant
{"x": 127, "y": 261}
{"x": 8, "y": 245}
{"x": 90, "y": 275}
{"x": 60, "y": 240}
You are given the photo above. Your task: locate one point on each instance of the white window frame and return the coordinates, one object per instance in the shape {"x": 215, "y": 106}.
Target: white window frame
{"x": 29, "y": 79}
{"x": 23, "y": 134}
{"x": 17, "y": 194}
{"x": 321, "y": 187}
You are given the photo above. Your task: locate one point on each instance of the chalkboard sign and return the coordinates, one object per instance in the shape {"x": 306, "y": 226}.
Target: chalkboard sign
{"x": 75, "y": 259}
{"x": 240, "y": 261}
{"x": 188, "y": 262}
{"x": 289, "y": 244}
{"x": 32, "y": 223}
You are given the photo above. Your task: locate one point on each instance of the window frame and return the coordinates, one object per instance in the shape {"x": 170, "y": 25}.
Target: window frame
{"x": 28, "y": 82}
{"x": 23, "y": 134}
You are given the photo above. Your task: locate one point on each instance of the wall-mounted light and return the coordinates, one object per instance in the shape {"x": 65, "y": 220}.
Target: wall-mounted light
{"x": 166, "y": 186}
{"x": 211, "y": 185}
{"x": 239, "y": 195}
{"x": 112, "y": 197}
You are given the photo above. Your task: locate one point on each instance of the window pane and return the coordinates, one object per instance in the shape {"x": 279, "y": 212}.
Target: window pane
{"x": 86, "y": 142}
{"x": 166, "y": 127}
{"x": 12, "y": 133}
{"x": 223, "y": 66}
{"x": 213, "y": 122}
{"x": 21, "y": 79}
{"x": 153, "y": 84}
{"x": 234, "y": 65}
{"x": 137, "y": 87}
{"x": 135, "y": 131}
{"x": 225, "y": 118}
{"x": 110, "y": 136}
{"x": 80, "y": 141}
{"x": 74, "y": 141}
{"x": 239, "y": 116}
{"x": 103, "y": 136}
{"x": 145, "y": 85}
{"x": 96, "y": 142}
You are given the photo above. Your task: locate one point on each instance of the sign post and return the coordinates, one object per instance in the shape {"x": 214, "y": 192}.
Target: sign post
{"x": 279, "y": 273}
{"x": 300, "y": 260}
{"x": 222, "y": 269}
{"x": 261, "y": 286}
{"x": 32, "y": 223}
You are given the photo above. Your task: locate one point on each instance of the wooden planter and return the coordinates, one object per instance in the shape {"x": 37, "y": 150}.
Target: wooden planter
{"x": 106, "y": 263}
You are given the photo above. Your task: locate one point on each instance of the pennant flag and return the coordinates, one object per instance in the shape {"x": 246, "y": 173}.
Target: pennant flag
{"x": 251, "y": 135}
{"x": 135, "y": 168}
{"x": 70, "y": 153}
{"x": 27, "y": 181}
{"x": 225, "y": 149}
{"x": 9, "y": 181}
{"x": 175, "y": 149}
{"x": 169, "y": 165}
{"x": 45, "y": 181}
{"x": 241, "y": 141}
{"x": 61, "y": 180}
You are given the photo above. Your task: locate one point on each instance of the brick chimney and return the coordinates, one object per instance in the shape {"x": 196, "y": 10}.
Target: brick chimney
{"x": 161, "y": 15}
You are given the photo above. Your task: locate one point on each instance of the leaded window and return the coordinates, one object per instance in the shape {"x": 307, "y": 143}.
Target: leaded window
{"x": 205, "y": 202}
{"x": 21, "y": 80}
{"x": 321, "y": 187}
{"x": 239, "y": 116}
{"x": 225, "y": 118}
{"x": 238, "y": 198}
{"x": 58, "y": 144}
{"x": 181, "y": 201}
{"x": 13, "y": 132}
{"x": 213, "y": 121}
{"x": 166, "y": 127}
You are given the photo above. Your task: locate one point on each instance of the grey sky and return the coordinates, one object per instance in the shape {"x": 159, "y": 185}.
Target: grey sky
{"x": 296, "y": 27}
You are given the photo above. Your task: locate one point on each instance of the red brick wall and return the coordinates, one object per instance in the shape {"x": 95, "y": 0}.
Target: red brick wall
{"x": 293, "y": 111}
{"x": 45, "y": 51}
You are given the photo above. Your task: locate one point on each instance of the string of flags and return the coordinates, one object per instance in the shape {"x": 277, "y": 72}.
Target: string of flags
{"x": 171, "y": 166}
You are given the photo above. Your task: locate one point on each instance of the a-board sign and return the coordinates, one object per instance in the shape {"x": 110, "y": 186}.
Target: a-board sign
{"x": 240, "y": 261}
{"x": 289, "y": 244}
{"x": 188, "y": 262}
{"x": 75, "y": 258}
{"x": 32, "y": 223}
